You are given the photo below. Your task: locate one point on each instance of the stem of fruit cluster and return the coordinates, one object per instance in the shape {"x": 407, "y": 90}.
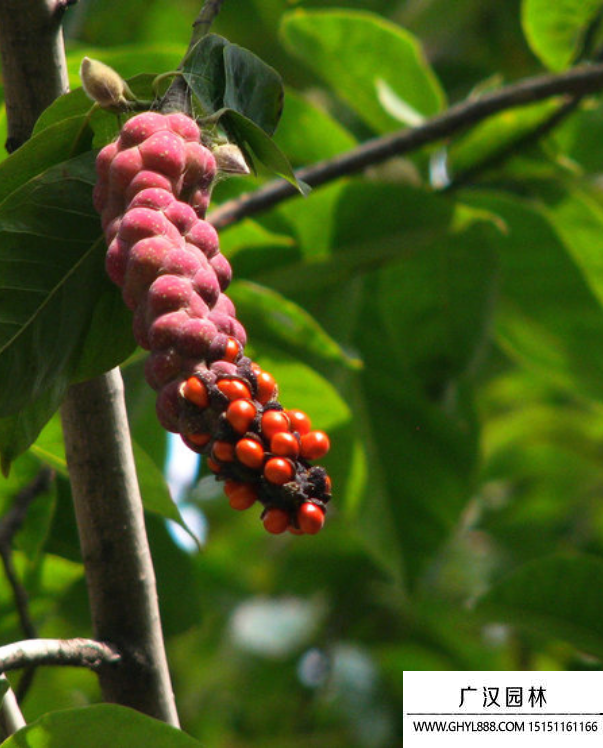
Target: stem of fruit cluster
{"x": 109, "y": 511}
{"x": 580, "y": 81}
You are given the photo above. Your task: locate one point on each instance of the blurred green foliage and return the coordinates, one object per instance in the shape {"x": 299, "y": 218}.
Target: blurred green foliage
{"x": 451, "y": 342}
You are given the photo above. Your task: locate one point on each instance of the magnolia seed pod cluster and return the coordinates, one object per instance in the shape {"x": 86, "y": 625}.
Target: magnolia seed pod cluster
{"x": 152, "y": 193}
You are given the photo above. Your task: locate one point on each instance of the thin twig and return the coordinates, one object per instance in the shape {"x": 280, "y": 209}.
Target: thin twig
{"x": 11, "y": 718}
{"x": 12, "y": 521}
{"x": 78, "y": 652}
{"x": 204, "y": 20}
{"x": 9, "y": 526}
{"x": 178, "y": 97}
{"x": 577, "y": 82}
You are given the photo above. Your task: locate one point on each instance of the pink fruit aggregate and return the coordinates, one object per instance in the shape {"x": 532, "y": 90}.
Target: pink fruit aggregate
{"x": 153, "y": 188}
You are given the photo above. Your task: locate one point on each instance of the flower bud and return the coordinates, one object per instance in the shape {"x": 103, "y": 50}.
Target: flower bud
{"x": 230, "y": 159}
{"x": 104, "y": 85}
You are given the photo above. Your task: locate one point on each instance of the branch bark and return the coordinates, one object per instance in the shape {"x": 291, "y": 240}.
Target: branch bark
{"x": 11, "y": 718}
{"x": 71, "y": 652}
{"x": 577, "y": 82}
{"x": 30, "y": 32}
{"x": 119, "y": 569}
{"x": 109, "y": 512}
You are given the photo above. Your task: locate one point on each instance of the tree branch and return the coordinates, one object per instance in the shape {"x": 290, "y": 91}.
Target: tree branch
{"x": 204, "y": 20}
{"x": 11, "y": 718}
{"x": 119, "y": 569}
{"x": 577, "y": 82}
{"x": 71, "y": 652}
{"x": 30, "y": 32}
{"x": 10, "y": 524}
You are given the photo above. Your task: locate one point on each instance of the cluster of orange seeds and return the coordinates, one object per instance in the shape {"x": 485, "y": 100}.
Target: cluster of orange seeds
{"x": 260, "y": 450}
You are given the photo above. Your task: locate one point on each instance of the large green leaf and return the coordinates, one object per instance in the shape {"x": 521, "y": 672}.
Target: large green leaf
{"x": 376, "y": 67}
{"x": 424, "y": 324}
{"x": 555, "y": 30}
{"x": 346, "y": 230}
{"x": 252, "y": 88}
{"x": 155, "y": 493}
{"x": 243, "y": 93}
{"x": 99, "y": 726}
{"x": 548, "y": 316}
{"x": 39, "y": 153}
{"x": 556, "y": 596}
{"x": 52, "y": 275}
{"x": 225, "y": 76}
{"x": 577, "y": 216}
{"x": 307, "y": 133}
{"x": 282, "y": 323}
{"x": 203, "y": 70}
{"x": 496, "y": 134}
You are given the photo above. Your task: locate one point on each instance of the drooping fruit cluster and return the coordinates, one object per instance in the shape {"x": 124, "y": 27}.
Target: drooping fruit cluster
{"x": 152, "y": 193}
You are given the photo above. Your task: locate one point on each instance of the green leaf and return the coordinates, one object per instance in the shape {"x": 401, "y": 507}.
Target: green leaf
{"x": 99, "y": 726}
{"x": 73, "y": 104}
{"x": 241, "y": 92}
{"x": 308, "y": 134}
{"x": 555, "y": 596}
{"x": 423, "y": 324}
{"x": 577, "y": 138}
{"x": 52, "y": 271}
{"x": 252, "y": 88}
{"x": 32, "y": 534}
{"x": 248, "y": 235}
{"x": 548, "y": 318}
{"x": 578, "y": 219}
{"x": 39, "y": 153}
{"x": 555, "y": 31}
{"x": 448, "y": 293}
{"x": 280, "y": 322}
{"x": 250, "y": 136}
{"x": 369, "y": 62}
{"x": 19, "y": 431}
{"x": 225, "y": 76}
{"x": 346, "y": 230}
{"x": 203, "y": 70}
{"x": 497, "y": 133}
{"x": 49, "y": 447}
{"x": 155, "y": 494}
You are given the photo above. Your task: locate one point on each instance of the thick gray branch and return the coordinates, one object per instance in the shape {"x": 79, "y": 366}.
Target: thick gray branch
{"x": 30, "y": 33}
{"x": 119, "y": 569}
{"x": 580, "y": 81}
